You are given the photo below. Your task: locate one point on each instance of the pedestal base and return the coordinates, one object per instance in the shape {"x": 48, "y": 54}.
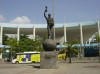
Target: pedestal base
{"x": 48, "y": 60}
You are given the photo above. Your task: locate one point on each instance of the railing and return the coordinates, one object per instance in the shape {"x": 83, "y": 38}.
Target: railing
{"x": 82, "y": 60}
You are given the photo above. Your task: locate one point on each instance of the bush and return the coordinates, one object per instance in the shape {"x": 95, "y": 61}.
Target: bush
{"x": 62, "y": 51}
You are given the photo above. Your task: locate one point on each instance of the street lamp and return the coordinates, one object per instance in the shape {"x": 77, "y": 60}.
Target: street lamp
{"x": 53, "y": 16}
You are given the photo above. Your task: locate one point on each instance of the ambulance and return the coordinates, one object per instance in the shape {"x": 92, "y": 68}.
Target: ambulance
{"x": 26, "y": 57}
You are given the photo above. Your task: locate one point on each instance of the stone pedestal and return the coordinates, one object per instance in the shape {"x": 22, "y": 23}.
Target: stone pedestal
{"x": 48, "y": 60}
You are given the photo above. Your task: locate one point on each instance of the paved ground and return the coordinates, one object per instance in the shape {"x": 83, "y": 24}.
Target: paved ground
{"x": 63, "y": 68}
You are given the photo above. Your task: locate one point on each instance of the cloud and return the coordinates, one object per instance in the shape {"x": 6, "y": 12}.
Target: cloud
{"x": 21, "y": 20}
{"x": 1, "y": 17}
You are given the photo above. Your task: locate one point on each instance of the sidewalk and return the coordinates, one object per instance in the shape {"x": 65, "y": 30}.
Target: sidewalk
{"x": 66, "y": 68}
{"x": 63, "y": 68}
{"x": 3, "y": 61}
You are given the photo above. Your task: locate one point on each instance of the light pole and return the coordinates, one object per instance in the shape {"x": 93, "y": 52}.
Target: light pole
{"x": 53, "y": 17}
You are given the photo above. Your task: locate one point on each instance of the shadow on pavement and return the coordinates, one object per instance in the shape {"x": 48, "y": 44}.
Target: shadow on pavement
{"x": 38, "y": 67}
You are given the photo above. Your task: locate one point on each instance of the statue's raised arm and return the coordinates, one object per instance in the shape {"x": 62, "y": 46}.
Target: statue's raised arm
{"x": 45, "y": 13}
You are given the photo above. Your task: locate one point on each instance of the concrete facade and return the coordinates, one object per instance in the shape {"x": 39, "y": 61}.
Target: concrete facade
{"x": 81, "y": 32}
{"x": 63, "y": 32}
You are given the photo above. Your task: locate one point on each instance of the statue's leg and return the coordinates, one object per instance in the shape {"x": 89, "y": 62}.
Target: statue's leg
{"x": 49, "y": 32}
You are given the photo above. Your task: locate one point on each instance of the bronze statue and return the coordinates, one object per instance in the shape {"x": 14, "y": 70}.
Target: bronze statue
{"x": 50, "y": 23}
{"x": 49, "y": 44}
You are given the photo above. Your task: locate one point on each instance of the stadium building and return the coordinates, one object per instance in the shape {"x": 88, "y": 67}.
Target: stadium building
{"x": 84, "y": 32}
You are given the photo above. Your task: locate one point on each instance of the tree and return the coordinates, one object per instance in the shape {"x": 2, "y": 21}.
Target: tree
{"x": 26, "y": 44}
{"x": 37, "y": 45}
{"x": 5, "y": 37}
{"x": 71, "y": 50}
{"x": 0, "y": 50}
{"x": 12, "y": 42}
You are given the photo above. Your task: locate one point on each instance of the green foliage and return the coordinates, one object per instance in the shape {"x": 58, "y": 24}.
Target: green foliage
{"x": 62, "y": 51}
{"x": 97, "y": 37}
{"x": 30, "y": 45}
{"x": 71, "y": 50}
{"x": 5, "y": 37}
{"x": 0, "y": 50}
{"x": 25, "y": 44}
{"x": 12, "y": 42}
{"x": 37, "y": 45}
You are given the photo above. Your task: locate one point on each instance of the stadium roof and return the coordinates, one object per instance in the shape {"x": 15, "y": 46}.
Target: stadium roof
{"x": 72, "y": 30}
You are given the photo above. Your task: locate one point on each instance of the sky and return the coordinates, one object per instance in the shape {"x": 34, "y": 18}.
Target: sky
{"x": 65, "y": 11}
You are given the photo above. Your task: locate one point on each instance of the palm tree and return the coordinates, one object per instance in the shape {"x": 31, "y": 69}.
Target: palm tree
{"x": 72, "y": 50}
{"x": 98, "y": 41}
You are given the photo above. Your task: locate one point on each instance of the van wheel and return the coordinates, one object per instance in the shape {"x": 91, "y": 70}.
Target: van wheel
{"x": 17, "y": 62}
{"x": 33, "y": 61}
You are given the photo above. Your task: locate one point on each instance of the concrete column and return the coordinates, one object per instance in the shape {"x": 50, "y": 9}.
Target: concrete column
{"x": 89, "y": 41}
{"x": 65, "y": 38}
{"x": 81, "y": 34}
{"x": 34, "y": 33}
{"x": 1, "y": 34}
{"x": 18, "y": 33}
{"x": 81, "y": 42}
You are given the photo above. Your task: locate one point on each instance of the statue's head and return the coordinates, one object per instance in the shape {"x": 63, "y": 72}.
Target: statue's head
{"x": 49, "y": 15}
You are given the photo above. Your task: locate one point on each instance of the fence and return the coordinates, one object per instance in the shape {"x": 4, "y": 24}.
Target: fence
{"x": 82, "y": 60}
